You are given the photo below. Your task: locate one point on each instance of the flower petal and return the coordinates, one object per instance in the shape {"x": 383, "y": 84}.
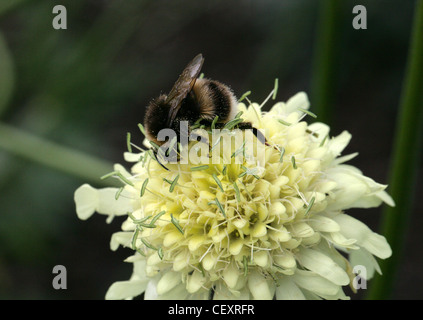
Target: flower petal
{"x": 195, "y": 281}
{"x": 300, "y": 100}
{"x": 323, "y": 266}
{"x": 288, "y": 290}
{"x": 89, "y": 200}
{"x": 340, "y": 295}
{"x": 169, "y": 280}
{"x": 366, "y": 238}
{"x": 320, "y": 128}
{"x": 151, "y": 291}
{"x": 231, "y": 275}
{"x": 120, "y": 238}
{"x": 224, "y": 293}
{"x": 126, "y": 289}
{"x": 362, "y": 257}
{"x": 178, "y": 292}
{"x": 354, "y": 189}
{"x": 315, "y": 283}
{"x": 259, "y": 287}
{"x": 324, "y": 224}
{"x": 337, "y": 144}
{"x": 86, "y": 200}
{"x": 132, "y": 157}
{"x": 339, "y": 239}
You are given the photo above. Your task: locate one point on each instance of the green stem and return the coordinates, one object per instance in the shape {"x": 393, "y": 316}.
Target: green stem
{"x": 52, "y": 155}
{"x": 324, "y": 60}
{"x": 7, "y": 74}
{"x": 405, "y": 161}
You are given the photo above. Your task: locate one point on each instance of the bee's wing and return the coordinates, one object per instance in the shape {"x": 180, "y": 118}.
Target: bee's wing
{"x": 183, "y": 86}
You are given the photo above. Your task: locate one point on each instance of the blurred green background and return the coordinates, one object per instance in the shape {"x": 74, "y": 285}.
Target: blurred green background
{"x": 85, "y": 87}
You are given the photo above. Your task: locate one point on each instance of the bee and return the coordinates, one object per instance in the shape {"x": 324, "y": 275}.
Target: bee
{"x": 195, "y": 100}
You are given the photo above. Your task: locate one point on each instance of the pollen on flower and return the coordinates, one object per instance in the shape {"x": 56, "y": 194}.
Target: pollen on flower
{"x": 249, "y": 221}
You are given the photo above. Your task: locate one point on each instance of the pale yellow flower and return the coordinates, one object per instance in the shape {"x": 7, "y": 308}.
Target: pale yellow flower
{"x": 256, "y": 230}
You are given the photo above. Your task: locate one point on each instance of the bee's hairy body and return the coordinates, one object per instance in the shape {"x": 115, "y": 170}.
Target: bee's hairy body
{"x": 192, "y": 99}
{"x": 207, "y": 99}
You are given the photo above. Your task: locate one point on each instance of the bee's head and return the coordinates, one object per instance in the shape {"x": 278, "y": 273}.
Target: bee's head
{"x": 156, "y": 118}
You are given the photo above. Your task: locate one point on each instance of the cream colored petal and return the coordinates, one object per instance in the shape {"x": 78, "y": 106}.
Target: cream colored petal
{"x": 259, "y": 287}
{"x": 323, "y": 265}
{"x": 89, "y": 200}
{"x": 151, "y": 289}
{"x": 231, "y": 275}
{"x": 375, "y": 199}
{"x": 195, "y": 281}
{"x": 340, "y": 295}
{"x": 223, "y": 293}
{"x": 288, "y": 290}
{"x": 146, "y": 143}
{"x": 324, "y": 224}
{"x": 261, "y": 258}
{"x": 315, "y": 283}
{"x": 126, "y": 289}
{"x": 325, "y": 186}
{"x": 354, "y": 189}
{"x": 195, "y": 242}
{"x": 86, "y": 200}
{"x": 169, "y": 280}
{"x": 364, "y": 258}
{"x": 321, "y": 129}
{"x": 208, "y": 262}
{"x": 337, "y": 144}
{"x": 253, "y": 114}
{"x": 178, "y": 292}
{"x": 259, "y": 230}
{"x": 349, "y": 190}
{"x": 277, "y": 108}
{"x": 120, "y": 238}
{"x": 110, "y": 206}
{"x": 199, "y": 295}
{"x": 285, "y": 260}
{"x": 118, "y": 167}
{"x": 310, "y": 295}
{"x": 366, "y": 238}
{"x": 242, "y": 107}
{"x": 299, "y": 100}
{"x": 340, "y": 240}
{"x": 140, "y": 264}
{"x": 334, "y": 253}
{"x": 385, "y": 197}
{"x": 132, "y": 157}
{"x": 346, "y": 158}
{"x": 236, "y": 246}
{"x": 134, "y": 258}
{"x": 300, "y": 230}
{"x": 153, "y": 260}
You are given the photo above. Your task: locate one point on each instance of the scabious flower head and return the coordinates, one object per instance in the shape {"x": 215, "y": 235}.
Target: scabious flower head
{"x": 248, "y": 229}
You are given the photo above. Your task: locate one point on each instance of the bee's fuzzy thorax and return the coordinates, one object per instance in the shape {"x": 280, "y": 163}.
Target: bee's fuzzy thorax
{"x": 189, "y": 100}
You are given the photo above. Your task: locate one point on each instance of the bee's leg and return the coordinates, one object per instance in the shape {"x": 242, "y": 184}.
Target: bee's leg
{"x": 157, "y": 158}
{"x": 244, "y": 126}
{"x": 259, "y": 135}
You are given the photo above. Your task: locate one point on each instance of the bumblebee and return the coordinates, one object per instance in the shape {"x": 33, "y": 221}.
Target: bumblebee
{"x": 193, "y": 100}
